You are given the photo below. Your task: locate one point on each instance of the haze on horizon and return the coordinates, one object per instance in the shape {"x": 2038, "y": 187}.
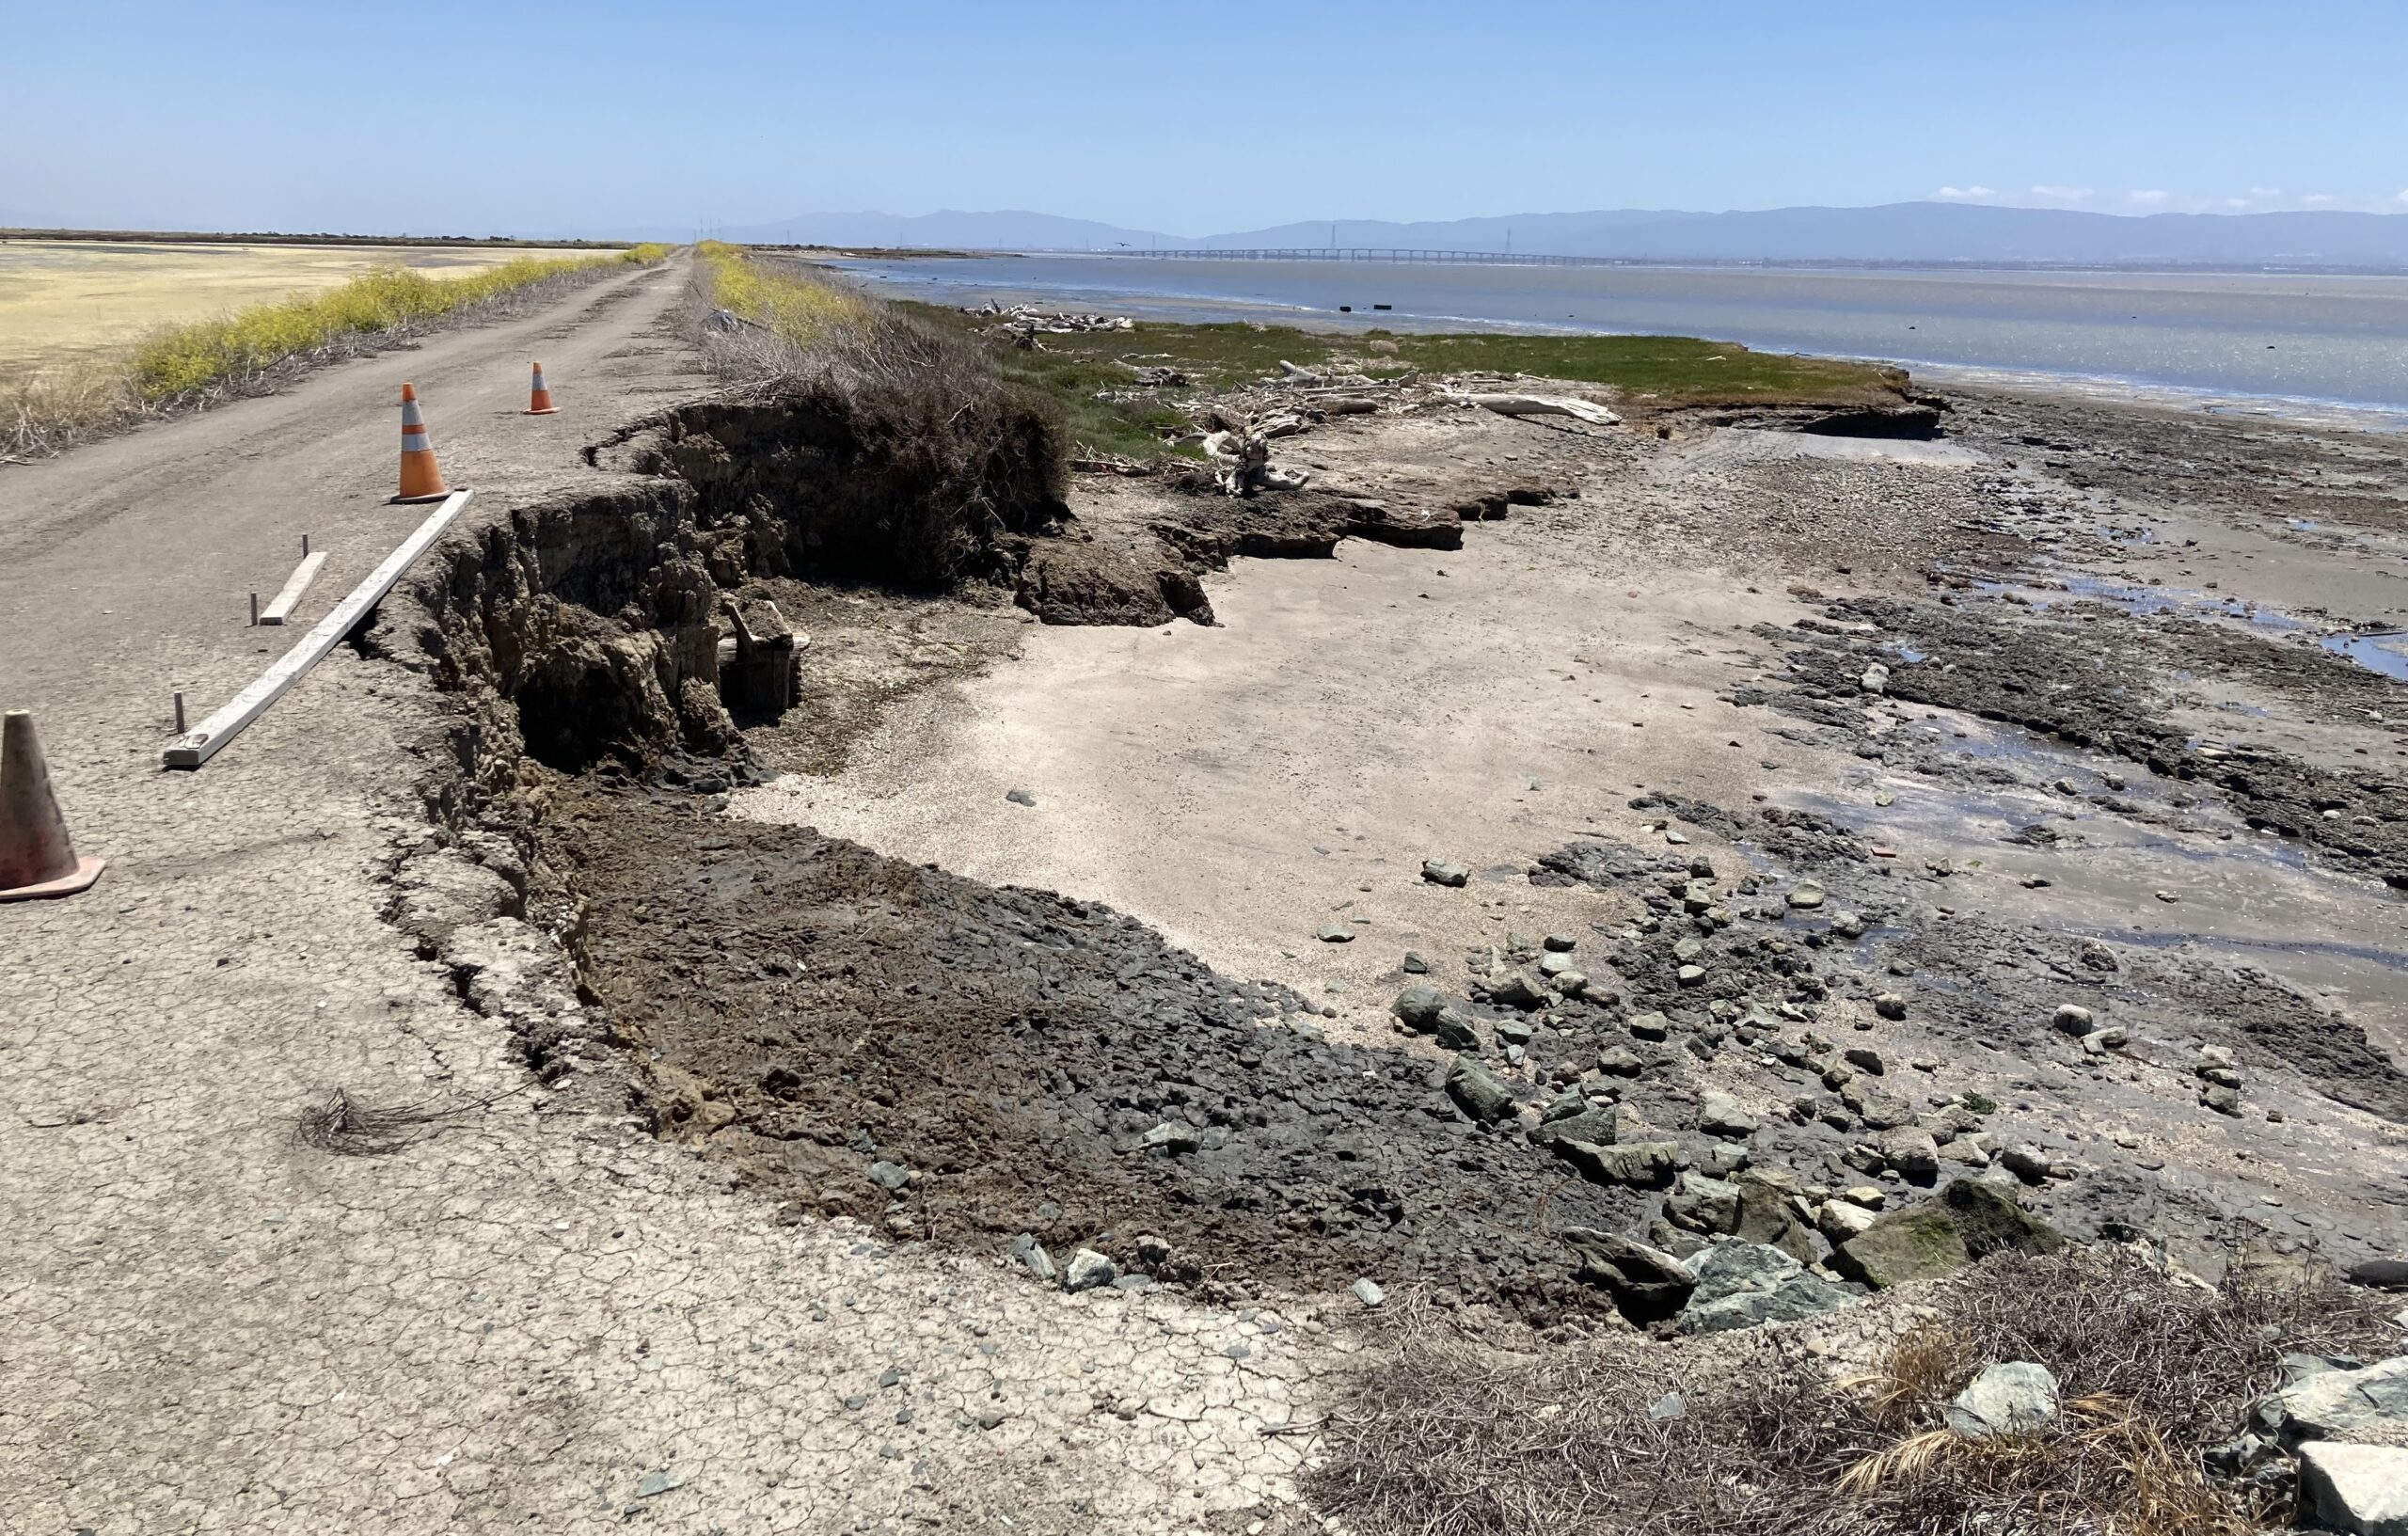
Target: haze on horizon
{"x": 613, "y": 118}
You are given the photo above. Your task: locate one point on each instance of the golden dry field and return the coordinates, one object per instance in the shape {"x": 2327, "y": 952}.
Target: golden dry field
{"x": 63, "y": 299}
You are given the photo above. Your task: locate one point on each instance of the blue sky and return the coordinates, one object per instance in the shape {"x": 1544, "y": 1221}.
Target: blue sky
{"x": 425, "y": 116}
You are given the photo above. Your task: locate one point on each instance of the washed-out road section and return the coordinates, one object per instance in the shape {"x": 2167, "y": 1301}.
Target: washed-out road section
{"x": 540, "y": 1318}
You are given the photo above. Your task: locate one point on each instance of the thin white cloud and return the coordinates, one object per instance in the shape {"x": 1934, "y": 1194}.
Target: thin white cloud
{"x": 1963, "y": 192}
{"x": 2318, "y": 199}
{"x": 2265, "y": 192}
{"x": 2064, "y": 194}
{"x": 2148, "y": 196}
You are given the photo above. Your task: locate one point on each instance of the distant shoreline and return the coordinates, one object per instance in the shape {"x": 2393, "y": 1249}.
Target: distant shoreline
{"x": 2072, "y": 363}
{"x": 187, "y": 237}
{"x": 2121, "y": 269}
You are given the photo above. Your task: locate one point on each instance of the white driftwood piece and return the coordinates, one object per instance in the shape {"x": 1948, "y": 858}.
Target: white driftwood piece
{"x": 1594, "y": 414}
{"x": 1242, "y": 464}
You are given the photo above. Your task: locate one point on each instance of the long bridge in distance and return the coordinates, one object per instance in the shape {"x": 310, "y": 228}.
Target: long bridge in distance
{"x": 1372, "y": 253}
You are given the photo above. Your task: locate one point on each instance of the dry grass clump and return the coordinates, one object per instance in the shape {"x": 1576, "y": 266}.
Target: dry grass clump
{"x": 258, "y": 349}
{"x": 342, "y": 1123}
{"x": 1751, "y": 1436}
{"x": 345, "y": 1125}
{"x": 936, "y": 456}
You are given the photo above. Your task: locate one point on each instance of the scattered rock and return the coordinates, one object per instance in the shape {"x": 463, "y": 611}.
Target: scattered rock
{"x": 1172, "y": 1136}
{"x": 1704, "y": 1205}
{"x": 1806, "y": 896}
{"x": 1019, "y": 796}
{"x": 1419, "y": 1008}
{"x": 1646, "y": 1164}
{"x": 1518, "y": 989}
{"x": 1088, "y": 1270}
{"x": 2073, "y": 1019}
{"x": 1368, "y": 1292}
{"x": 2362, "y": 1490}
{"x": 1334, "y": 933}
{"x": 1477, "y": 1092}
{"x": 1720, "y": 1114}
{"x": 1878, "y": 1110}
{"x": 1967, "y": 1151}
{"x": 1647, "y": 1284}
{"x": 1031, "y": 1254}
{"x": 1910, "y": 1152}
{"x": 1439, "y": 873}
{"x": 2370, "y": 1402}
{"x": 1890, "y": 1005}
{"x": 1840, "y": 1220}
{"x": 2026, "y": 1162}
{"x": 1416, "y": 963}
{"x": 2013, "y": 1398}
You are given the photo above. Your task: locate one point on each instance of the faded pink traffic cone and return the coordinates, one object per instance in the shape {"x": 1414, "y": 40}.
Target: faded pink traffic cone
{"x": 36, "y": 857}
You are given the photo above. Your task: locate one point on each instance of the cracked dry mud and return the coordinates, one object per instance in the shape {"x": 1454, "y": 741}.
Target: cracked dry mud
{"x": 663, "y": 1275}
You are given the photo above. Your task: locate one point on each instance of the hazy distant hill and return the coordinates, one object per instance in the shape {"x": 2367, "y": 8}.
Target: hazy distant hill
{"x": 1905, "y": 231}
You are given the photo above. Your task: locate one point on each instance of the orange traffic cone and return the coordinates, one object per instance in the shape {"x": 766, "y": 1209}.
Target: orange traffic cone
{"x": 37, "y": 859}
{"x": 540, "y": 403}
{"x": 421, "y": 479}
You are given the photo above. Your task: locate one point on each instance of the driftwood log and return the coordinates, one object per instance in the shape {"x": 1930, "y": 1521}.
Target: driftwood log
{"x": 1242, "y": 463}
{"x": 1583, "y": 410}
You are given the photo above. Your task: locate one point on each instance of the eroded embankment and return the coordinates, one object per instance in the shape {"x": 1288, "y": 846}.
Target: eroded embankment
{"x": 860, "y": 1035}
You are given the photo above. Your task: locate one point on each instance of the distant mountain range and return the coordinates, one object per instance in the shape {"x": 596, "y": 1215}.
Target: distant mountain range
{"x": 1904, "y": 231}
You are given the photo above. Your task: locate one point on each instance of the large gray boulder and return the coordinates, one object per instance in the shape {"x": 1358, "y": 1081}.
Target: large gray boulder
{"x": 2368, "y": 1404}
{"x": 2013, "y": 1398}
{"x": 1967, "y": 1221}
{"x": 2362, "y": 1490}
{"x": 1740, "y": 1285}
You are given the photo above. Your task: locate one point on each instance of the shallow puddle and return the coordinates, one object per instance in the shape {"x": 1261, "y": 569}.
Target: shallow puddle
{"x": 2385, "y": 653}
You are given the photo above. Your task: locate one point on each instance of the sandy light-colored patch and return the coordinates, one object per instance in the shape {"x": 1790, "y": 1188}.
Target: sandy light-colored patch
{"x": 1243, "y": 786}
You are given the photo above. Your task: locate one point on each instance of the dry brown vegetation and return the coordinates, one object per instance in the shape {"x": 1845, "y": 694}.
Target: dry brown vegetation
{"x": 261, "y": 348}
{"x": 1756, "y": 1435}
{"x": 965, "y": 456}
